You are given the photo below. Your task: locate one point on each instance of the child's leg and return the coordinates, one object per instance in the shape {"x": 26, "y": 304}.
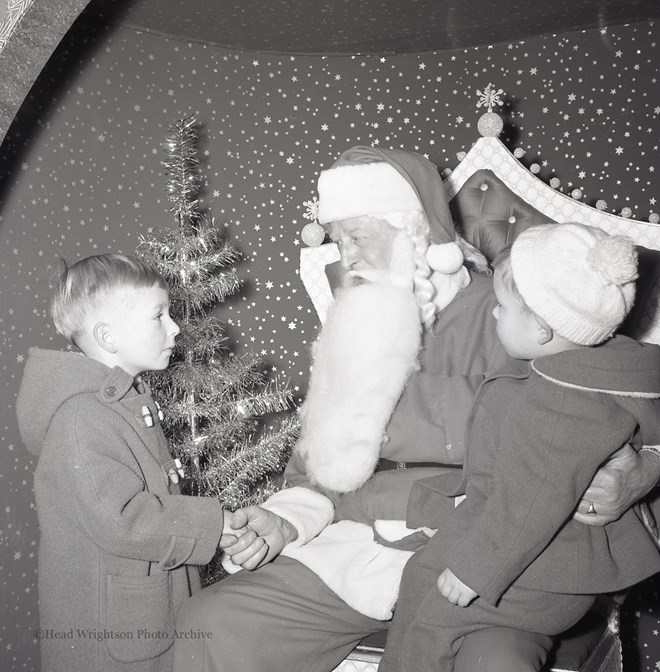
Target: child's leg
{"x": 427, "y": 630}
{"x": 498, "y": 649}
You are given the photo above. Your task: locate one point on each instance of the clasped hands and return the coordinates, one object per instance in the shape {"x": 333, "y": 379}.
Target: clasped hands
{"x": 253, "y": 536}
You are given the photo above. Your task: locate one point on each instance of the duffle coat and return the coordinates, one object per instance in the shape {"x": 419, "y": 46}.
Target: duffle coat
{"x": 119, "y": 543}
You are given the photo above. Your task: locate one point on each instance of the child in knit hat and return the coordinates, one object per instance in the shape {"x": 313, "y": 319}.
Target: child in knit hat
{"x": 511, "y": 554}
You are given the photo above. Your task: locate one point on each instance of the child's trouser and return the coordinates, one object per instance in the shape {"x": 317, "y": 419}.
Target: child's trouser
{"x": 427, "y": 629}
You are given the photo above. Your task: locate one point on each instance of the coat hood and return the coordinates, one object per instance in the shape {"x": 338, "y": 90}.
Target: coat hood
{"x": 53, "y": 377}
{"x": 621, "y": 366}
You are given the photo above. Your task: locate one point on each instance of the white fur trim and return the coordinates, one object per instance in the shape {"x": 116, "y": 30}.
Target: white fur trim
{"x": 393, "y": 530}
{"x": 364, "y": 356}
{"x": 307, "y": 510}
{"x": 364, "y": 189}
{"x": 351, "y": 563}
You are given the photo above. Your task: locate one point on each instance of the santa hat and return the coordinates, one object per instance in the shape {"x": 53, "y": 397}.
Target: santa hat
{"x": 579, "y": 279}
{"x": 374, "y": 181}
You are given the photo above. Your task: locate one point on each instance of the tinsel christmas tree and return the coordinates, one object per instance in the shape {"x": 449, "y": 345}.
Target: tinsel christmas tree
{"x": 213, "y": 401}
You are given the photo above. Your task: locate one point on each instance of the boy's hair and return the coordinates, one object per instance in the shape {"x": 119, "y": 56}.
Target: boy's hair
{"x": 82, "y": 286}
{"x": 502, "y": 263}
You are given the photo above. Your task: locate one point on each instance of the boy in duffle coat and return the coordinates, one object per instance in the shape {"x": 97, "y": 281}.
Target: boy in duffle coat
{"x": 119, "y": 543}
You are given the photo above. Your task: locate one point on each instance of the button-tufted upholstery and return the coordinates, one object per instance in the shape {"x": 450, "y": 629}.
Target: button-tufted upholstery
{"x": 490, "y": 216}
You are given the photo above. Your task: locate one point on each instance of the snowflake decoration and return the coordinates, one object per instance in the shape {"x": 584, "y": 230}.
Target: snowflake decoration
{"x": 489, "y": 97}
{"x": 311, "y": 209}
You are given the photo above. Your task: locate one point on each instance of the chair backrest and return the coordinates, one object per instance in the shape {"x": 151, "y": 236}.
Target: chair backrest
{"x": 493, "y": 197}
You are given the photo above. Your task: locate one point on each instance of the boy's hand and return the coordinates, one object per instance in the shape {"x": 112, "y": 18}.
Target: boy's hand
{"x": 454, "y": 589}
{"x": 238, "y": 541}
{"x": 274, "y": 533}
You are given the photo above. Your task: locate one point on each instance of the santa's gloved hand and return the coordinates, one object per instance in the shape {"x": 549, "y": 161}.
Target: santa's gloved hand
{"x": 401, "y": 267}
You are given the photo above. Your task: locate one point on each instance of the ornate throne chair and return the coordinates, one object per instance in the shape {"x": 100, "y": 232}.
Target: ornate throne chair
{"x": 493, "y": 197}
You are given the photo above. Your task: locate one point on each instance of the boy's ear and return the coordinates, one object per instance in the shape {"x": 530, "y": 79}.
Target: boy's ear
{"x": 102, "y": 335}
{"x": 544, "y": 333}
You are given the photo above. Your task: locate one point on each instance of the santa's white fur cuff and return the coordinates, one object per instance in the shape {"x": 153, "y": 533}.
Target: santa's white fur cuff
{"x": 307, "y": 510}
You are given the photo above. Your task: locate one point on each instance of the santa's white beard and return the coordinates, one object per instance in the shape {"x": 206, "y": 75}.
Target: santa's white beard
{"x": 367, "y": 350}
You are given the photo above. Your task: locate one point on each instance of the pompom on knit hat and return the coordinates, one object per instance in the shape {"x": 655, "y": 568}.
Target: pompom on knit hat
{"x": 579, "y": 279}
{"x": 374, "y": 181}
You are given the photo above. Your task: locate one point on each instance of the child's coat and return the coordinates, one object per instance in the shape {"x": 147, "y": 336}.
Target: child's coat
{"x": 116, "y": 535}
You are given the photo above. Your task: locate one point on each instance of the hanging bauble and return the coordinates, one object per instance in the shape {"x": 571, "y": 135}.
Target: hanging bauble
{"x": 490, "y": 125}
{"x": 535, "y": 168}
{"x": 555, "y": 182}
{"x": 446, "y": 172}
{"x": 654, "y": 218}
{"x": 601, "y": 204}
{"x": 313, "y": 234}
{"x": 626, "y": 212}
{"x": 460, "y": 155}
{"x": 519, "y": 152}
{"x": 576, "y": 194}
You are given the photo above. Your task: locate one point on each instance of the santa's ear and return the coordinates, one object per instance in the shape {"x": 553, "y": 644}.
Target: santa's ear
{"x": 544, "y": 331}
{"x": 102, "y": 334}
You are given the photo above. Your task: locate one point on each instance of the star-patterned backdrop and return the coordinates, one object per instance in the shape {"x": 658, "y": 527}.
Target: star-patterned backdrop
{"x": 81, "y": 175}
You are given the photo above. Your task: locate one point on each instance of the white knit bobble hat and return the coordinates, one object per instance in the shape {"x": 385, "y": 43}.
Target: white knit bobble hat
{"x": 579, "y": 279}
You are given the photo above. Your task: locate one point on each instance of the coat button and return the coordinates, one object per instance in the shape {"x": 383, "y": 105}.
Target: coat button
{"x": 111, "y": 391}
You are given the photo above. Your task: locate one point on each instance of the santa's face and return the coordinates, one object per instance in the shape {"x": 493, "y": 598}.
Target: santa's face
{"x": 363, "y": 242}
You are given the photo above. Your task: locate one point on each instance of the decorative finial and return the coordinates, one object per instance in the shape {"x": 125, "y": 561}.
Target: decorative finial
{"x": 313, "y": 233}
{"x": 490, "y": 124}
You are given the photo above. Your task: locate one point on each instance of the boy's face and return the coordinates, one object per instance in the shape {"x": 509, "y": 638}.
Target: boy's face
{"x": 363, "y": 242}
{"x": 141, "y": 329}
{"x": 517, "y": 327}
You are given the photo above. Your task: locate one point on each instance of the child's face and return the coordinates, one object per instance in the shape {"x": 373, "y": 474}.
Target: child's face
{"x": 141, "y": 328}
{"x": 517, "y": 327}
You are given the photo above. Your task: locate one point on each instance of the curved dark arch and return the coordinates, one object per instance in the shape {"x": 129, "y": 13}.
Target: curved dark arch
{"x": 35, "y": 37}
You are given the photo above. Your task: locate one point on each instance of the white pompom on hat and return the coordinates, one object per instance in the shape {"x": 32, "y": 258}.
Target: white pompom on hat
{"x": 445, "y": 258}
{"x": 579, "y": 279}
